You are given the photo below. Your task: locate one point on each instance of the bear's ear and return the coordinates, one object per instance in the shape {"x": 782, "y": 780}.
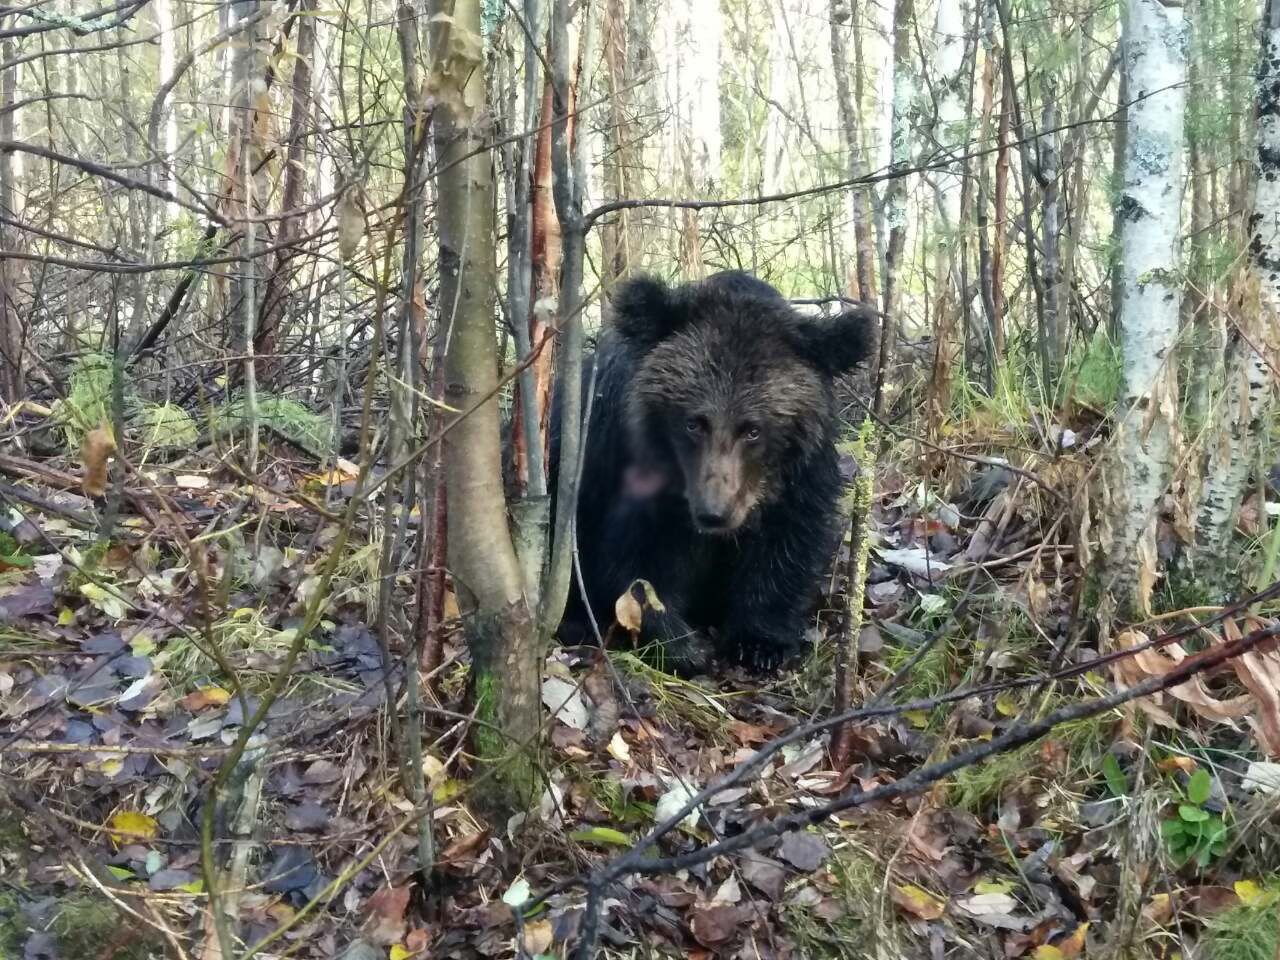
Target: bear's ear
{"x": 646, "y": 311}
{"x": 837, "y": 344}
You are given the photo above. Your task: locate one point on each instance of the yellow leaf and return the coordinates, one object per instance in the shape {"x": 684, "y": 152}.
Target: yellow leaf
{"x": 918, "y": 901}
{"x": 66, "y": 616}
{"x": 618, "y": 748}
{"x": 993, "y": 886}
{"x": 131, "y": 825}
{"x": 1073, "y": 945}
{"x": 1048, "y": 952}
{"x": 1007, "y": 704}
{"x": 917, "y": 718}
{"x": 399, "y": 952}
{"x": 1250, "y": 894}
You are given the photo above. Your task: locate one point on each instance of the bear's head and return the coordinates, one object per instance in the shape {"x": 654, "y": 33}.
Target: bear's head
{"x": 732, "y": 387}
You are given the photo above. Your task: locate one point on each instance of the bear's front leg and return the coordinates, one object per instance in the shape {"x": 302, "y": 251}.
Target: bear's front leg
{"x": 772, "y": 592}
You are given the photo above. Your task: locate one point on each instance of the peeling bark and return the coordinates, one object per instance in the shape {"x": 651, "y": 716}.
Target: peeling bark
{"x": 1245, "y": 402}
{"x": 1141, "y": 465}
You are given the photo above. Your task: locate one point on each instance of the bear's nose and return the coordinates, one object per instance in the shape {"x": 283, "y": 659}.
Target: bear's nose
{"x": 712, "y": 521}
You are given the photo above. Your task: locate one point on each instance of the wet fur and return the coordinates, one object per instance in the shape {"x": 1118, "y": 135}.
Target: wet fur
{"x": 732, "y": 350}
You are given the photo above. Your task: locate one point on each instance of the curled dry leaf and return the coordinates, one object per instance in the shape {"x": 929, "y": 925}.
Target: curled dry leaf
{"x": 1157, "y": 663}
{"x": 95, "y": 454}
{"x": 1259, "y": 671}
{"x": 629, "y": 609}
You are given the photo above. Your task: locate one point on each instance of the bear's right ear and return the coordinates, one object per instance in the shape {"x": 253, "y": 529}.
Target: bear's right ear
{"x": 646, "y": 311}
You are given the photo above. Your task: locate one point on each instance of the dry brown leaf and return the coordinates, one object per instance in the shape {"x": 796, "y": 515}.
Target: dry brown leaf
{"x": 385, "y": 923}
{"x": 1259, "y": 671}
{"x": 95, "y": 454}
{"x": 350, "y": 224}
{"x": 537, "y": 937}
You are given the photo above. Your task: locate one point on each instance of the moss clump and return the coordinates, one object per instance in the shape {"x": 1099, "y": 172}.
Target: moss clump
{"x": 286, "y": 417}
{"x": 166, "y": 427}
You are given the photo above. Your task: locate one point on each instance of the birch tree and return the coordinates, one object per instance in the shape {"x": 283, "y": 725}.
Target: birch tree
{"x": 904, "y": 95}
{"x": 1142, "y": 461}
{"x": 1239, "y": 423}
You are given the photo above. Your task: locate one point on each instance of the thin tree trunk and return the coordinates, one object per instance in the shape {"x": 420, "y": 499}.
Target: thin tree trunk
{"x": 569, "y": 169}
{"x": 11, "y": 329}
{"x": 276, "y": 295}
{"x": 505, "y": 658}
{"x": 1000, "y": 211}
{"x": 896, "y": 195}
{"x": 986, "y": 265}
{"x": 1141, "y": 465}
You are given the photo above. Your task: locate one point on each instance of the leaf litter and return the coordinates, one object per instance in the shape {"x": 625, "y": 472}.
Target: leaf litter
{"x": 115, "y": 715}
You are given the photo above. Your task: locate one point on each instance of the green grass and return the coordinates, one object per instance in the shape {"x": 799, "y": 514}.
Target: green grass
{"x": 868, "y": 926}
{"x": 1246, "y": 932}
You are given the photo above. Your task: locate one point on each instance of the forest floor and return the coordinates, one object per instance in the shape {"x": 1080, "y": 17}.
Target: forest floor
{"x": 114, "y": 719}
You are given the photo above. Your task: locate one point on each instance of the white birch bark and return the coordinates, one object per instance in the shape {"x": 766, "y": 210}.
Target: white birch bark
{"x": 951, "y": 78}
{"x": 1239, "y": 422}
{"x": 692, "y": 35}
{"x": 1155, "y": 61}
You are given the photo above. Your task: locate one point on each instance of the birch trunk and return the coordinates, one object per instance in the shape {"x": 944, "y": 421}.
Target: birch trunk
{"x": 1242, "y": 411}
{"x": 904, "y": 94}
{"x": 1144, "y": 442}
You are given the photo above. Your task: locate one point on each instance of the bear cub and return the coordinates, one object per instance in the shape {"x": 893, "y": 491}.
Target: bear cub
{"x": 710, "y": 467}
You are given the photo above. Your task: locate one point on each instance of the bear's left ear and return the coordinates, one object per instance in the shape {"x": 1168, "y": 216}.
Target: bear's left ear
{"x": 835, "y": 345}
{"x": 646, "y": 311}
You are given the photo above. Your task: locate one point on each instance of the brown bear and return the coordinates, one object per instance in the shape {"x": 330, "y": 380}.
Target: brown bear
{"x": 710, "y": 467}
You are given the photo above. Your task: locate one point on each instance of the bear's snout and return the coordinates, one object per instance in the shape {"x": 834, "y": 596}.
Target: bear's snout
{"x": 720, "y": 499}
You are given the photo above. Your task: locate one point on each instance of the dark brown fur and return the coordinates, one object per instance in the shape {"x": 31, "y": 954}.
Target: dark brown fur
{"x": 710, "y": 468}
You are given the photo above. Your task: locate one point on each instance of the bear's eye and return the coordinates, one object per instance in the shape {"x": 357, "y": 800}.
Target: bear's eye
{"x": 694, "y": 424}
{"x": 750, "y": 433}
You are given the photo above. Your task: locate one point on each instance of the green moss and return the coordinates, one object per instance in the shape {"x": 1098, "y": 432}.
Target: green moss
{"x": 166, "y": 427}
{"x": 507, "y": 773}
{"x": 90, "y": 926}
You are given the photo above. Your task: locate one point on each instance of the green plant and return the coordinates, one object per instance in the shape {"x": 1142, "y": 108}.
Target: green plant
{"x": 1248, "y": 931}
{"x": 1195, "y": 833}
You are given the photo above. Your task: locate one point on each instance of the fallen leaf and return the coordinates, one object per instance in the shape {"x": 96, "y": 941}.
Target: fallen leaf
{"x": 1073, "y": 945}
{"x": 131, "y": 824}
{"x": 618, "y": 748}
{"x": 537, "y": 937}
{"x": 563, "y": 699}
{"x": 606, "y": 836}
{"x": 804, "y": 851}
{"x": 917, "y": 901}
{"x": 672, "y": 802}
{"x": 1262, "y": 776}
{"x": 715, "y": 925}
{"x": 203, "y": 697}
{"x": 384, "y": 922}
{"x": 95, "y": 453}
{"x": 764, "y": 873}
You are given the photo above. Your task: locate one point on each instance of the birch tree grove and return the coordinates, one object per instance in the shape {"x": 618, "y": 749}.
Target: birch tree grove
{"x": 1150, "y": 214}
